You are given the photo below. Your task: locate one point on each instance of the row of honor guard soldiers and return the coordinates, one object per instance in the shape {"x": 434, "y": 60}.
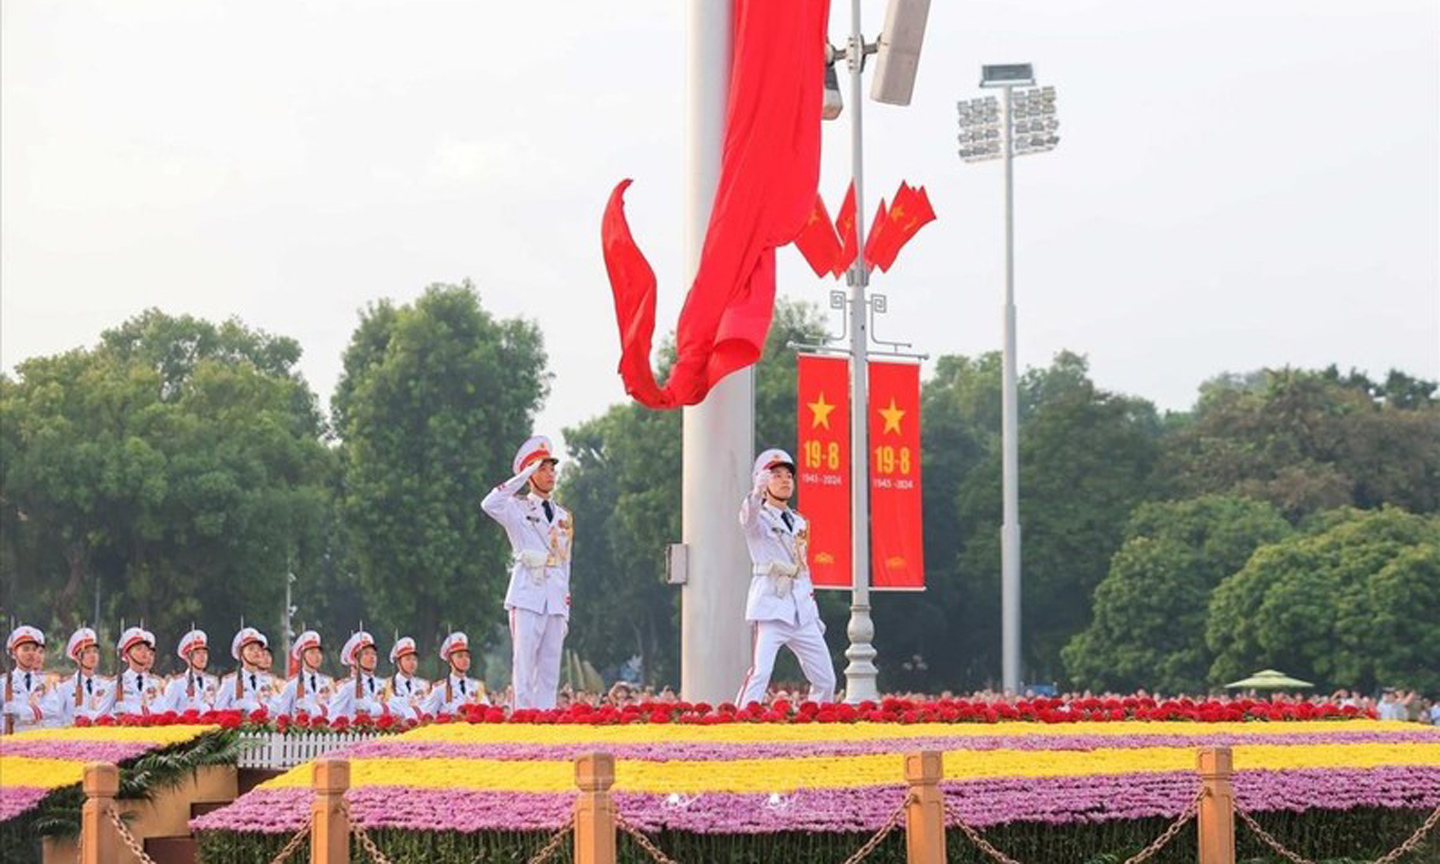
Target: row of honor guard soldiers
{"x": 33, "y": 698}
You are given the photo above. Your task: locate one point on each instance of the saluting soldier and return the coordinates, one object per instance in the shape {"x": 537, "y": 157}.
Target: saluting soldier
{"x": 541, "y": 535}
{"x": 403, "y": 686}
{"x": 84, "y": 693}
{"x": 24, "y": 703}
{"x": 137, "y": 690}
{"x": 363, "y": 693}
{"x": 310, "y": 690}
{"x": 781, "y": 604}
{"x": 455, "y": 689}
{"x": 194, "y": 689}
{"x": 250, "y": 687}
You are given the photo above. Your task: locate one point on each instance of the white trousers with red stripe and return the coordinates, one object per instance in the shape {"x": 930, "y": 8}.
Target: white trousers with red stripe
{"x": 806, "y": 642}
{"x": 538, "y": 640}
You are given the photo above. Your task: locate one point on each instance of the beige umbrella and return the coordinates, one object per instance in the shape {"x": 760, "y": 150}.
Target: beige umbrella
{"x": 1269, "y": 679}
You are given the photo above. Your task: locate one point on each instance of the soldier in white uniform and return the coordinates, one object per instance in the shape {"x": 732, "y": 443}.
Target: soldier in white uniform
{"x": 541, "y": 534}
{"x": 194, "y": 689}
{"x": 82, "y": 694}
{"x": 23, "y": 700}
{"x": 403, "y": 686}
{"x": 455, "y": 689}
{"x": 309, "y": 691}
{"x": 249, "y": 688}
{"x": 137, "y": 690}
{"x": 781, "y": 605}
{"x": 363, "y": 693}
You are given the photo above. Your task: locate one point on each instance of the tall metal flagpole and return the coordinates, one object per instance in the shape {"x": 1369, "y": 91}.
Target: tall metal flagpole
{"x": 860, "y": 674}
{"x": 718, "y": 438}
{"x": 1010, "y": 426}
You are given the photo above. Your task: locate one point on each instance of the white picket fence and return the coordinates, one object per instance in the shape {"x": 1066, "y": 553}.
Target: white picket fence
{"x": 276, "y": 752}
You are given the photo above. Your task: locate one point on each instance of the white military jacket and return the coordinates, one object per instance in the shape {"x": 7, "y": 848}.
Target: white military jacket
{"x": 319, "y": 690}
{"x": 31, "y": 700}
{"x": 95, "y": 694}
{"x": 135, "y": 693}
{"x": 462, "y": 691}
{"x": 780, "y": 587}
{"x": 540, "y": 575}
{"x": 191, "y": 691}
{"x": 257, "y": 689}
{"x": 374, "y": 699}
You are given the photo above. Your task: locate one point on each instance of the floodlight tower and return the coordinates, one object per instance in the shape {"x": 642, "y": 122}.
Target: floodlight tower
{"x": 1017, "y": 124}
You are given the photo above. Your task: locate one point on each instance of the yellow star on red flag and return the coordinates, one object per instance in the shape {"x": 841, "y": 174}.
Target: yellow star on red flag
{"x": 820, "y": 412}
{"x": 892, "y": 414}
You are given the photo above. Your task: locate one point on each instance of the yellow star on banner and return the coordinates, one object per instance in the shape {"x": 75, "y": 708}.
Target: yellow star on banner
{"x": 820, "y": 412}
{"x": 892, "y": 417}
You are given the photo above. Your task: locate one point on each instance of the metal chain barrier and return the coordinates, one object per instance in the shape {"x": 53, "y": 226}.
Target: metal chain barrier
{"x": 1143, "y": 855}
{"x": 644, "y": 842}
{"x": 360, "y": 834}
{"x": 1169, "y": 833}
{"x": 295, "y": 841}
{"x": 553, "y": 844}
{"x": 1405, "y": 848}
{"x": 129, "y": 839}
{"x": 875, "y": 839}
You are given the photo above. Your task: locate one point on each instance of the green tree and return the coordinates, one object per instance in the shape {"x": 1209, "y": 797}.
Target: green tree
{"x": 178, "y": 466}
{"x": 1148, "y": 628}
{"x": 624, "y": 484}
{"x": 1309, "y": 441}
{"x": 434, "y": 399}
{"x": 1352, "y": 605}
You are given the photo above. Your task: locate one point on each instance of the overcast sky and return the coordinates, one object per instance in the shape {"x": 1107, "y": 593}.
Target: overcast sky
{"x": 1239, "y": 184}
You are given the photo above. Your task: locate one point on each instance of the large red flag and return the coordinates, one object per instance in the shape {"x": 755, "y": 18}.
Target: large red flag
{"x": 769, "y": 170}
{"x": 909, "y": 212}
{"x": 818, "y": 241}
{"x": 845, "y": 225}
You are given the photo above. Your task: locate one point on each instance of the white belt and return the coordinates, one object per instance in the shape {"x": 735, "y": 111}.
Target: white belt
{"x": 775, "y": 568}
{"x": 534, "y": 561}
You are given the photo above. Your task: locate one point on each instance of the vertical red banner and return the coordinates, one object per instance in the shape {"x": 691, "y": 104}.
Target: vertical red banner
{"x": 823, "y": 459}
{"x": 896, "y": 546}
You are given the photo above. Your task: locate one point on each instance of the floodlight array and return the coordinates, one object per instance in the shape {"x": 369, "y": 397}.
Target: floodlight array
{"x": 981, "y": 133}
{"x": 1033, "y": 122}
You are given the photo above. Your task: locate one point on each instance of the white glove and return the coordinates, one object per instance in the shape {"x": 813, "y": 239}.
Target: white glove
{"x": 762, "y": 480}
{"x": 782, "y": 586}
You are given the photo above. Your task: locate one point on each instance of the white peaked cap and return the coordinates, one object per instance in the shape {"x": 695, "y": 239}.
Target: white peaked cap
{"x": 24, "y": 633}
{"x": 304, "y": 642}
{"x": 350, "y": 653}
{"x": 404, "y": 645}
{"x": 456, "y": 641}
{"x": 245, "y": 637}
{"x": 538, "y": 447}
{"x": 134, "y": 636}
{"x": 772, "y": 457}
{"x": 79, "y": 641}
{"x": 190, "y": 641}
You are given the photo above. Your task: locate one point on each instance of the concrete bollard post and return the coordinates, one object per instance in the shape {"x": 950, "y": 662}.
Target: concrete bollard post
{"x": 101, "y": 844}
{"x": 925, "y": 815}
{"x": 330, "y": 830}
{"x": 594, "y": 810}
{"x": 1217, "y": 808}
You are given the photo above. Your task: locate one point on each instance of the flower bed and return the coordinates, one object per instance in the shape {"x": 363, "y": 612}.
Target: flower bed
{"x": 34, "y": 764}
{"x": 516, "y": 779}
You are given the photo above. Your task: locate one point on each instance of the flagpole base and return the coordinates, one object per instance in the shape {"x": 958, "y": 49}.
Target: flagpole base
{"x": 861, "y": 674}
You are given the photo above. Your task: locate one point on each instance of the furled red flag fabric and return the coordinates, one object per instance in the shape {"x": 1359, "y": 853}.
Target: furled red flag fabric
{"x": 876, "y": 234}
{"x": 818, "y": 241}
{"x": 845, "y": 225}
{"x": 769, "y": 170}
{"x": 909, "y": 212}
